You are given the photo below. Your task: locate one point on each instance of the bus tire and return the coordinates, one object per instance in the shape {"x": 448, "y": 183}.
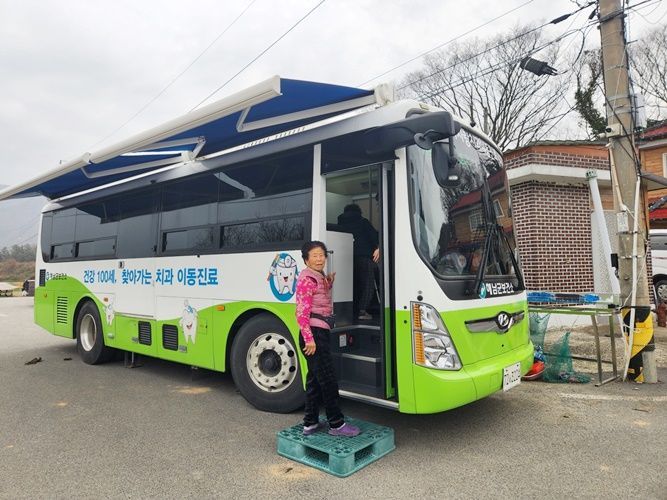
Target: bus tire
{"x": 90, "y": 336}
{"x": 265, "y": 365}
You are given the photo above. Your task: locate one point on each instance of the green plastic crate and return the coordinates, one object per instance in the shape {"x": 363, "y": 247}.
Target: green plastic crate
{"x": 337, "y": 455}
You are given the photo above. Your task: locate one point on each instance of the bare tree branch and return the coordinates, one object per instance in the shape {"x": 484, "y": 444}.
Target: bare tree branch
{"x": 517, "y": 107}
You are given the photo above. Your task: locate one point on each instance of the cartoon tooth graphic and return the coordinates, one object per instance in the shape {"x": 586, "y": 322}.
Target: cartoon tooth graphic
{"x": 188, "y": 322}
{"x": 109, "y": 312}
{"x": 282, "y": 276}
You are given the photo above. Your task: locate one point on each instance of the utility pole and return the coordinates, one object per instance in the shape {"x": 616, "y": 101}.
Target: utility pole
{"x": 629, "y": 202}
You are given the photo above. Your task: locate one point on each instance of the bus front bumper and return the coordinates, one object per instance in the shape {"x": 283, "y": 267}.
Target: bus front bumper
{"x": 439, "y": 390}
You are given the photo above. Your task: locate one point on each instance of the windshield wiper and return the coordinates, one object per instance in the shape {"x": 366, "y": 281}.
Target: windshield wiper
{"x": 493, "y": 231}
{"x": 490, "y": 226}
{"x": 490, "y": 232}
{"x": 515, "y": 263}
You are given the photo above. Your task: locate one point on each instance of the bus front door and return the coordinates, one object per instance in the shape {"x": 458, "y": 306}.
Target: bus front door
{"x": 356, "y": 222}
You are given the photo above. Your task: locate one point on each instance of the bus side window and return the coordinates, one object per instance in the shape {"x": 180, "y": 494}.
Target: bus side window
{"x": 45, "y": 238}
{"x": 96, "y": 230}
{"x": 188, "y": 215}
{"x": 137, "y": 227}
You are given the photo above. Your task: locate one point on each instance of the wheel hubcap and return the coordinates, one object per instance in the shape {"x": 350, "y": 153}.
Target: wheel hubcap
{"x": 271, "y": 362}
{"x": 662, "y": 292}
{"x": 87, "y": 332}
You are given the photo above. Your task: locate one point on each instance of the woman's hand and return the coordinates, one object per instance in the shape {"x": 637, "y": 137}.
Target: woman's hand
{"x": 309, "y": 349}
{"x": 331, "y": 277}
{"x": 376, "y": 255}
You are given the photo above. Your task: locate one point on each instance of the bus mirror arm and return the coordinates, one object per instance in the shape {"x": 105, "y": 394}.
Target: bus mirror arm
{"x": 427, "y": 128}
{"x": 425, "y": 139}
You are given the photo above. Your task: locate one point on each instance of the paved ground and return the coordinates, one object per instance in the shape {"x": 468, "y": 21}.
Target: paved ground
{"x": 72, "y": 430}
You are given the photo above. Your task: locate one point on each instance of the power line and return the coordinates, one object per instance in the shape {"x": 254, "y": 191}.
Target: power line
{"x": 497, "y": 66}
{"x": 649, "y": 13}
{"x": 24, "y": 226}
{"x": 26, "y": 239}
{"x": 446, "y": 43}
{"x": 502, "y": 64}
{"x": 259, "y": 55}
{"x": 505, "y": 42}
{"x": 164, "y": 89}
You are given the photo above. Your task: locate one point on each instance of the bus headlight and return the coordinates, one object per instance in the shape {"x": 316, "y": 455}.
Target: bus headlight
{"x": 433, "y": 347}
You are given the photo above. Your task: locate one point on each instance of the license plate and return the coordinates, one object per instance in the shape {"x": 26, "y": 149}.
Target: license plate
{"x": 511, "y": 376}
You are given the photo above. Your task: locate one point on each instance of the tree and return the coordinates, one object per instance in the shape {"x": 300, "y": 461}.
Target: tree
{"x": 20, "y": 253}
{"x": 590, "y": 68}
{"x": 648, "y": 65}
{"x": 481, "y": 81}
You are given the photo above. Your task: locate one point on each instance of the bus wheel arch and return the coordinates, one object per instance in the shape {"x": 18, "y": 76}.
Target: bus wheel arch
{"x": 264, "y": 364}
{"x": 89, "y": 333}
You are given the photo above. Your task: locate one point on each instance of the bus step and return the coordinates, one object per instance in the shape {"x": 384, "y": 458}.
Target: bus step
{"x": 337, "y": 455}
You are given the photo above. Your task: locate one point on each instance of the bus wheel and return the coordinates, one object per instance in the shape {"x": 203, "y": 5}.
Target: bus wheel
{"x": 265, "y": 365}
{"x": 90, "y": 337}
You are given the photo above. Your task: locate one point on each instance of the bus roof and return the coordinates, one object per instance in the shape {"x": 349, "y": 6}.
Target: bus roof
{"x": 265, "y": 109}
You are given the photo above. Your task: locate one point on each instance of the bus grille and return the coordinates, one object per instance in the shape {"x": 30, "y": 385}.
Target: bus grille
{"x": 61, "y": 310}
{"x": 170, "y": 337}
{"x": 144, "y": 333}
{"x": 42, "y": 277}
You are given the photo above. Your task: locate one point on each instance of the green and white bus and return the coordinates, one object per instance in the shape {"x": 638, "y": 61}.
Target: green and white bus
{"x": 183, "y": 243}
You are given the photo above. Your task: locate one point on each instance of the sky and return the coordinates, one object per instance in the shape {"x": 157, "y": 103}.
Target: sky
{"x": 74, "y": 71}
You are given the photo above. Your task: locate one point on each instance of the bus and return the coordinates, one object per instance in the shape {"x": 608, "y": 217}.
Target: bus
{"x": 183, "y": 243}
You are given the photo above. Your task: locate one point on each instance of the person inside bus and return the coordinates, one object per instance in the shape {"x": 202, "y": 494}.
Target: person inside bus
{"x": 366, "y": 256}
{"x": 314, "y": 315}
{"x": 448, "y": 259}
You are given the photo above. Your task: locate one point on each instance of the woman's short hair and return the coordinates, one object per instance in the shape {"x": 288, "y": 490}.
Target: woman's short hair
{"x": 309, "y": 245}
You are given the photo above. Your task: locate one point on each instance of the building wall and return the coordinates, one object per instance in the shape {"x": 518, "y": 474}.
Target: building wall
{"x": 553, "y": 231}
{"x": 589, "y": 156}
{"x": 652, "y": 162}
{"x": 552, "y": 220}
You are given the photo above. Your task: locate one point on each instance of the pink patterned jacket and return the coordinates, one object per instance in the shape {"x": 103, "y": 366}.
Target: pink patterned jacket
{"x": 313, "y": 295}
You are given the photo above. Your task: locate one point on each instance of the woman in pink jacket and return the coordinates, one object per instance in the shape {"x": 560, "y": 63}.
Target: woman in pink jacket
{"x": 314, "y": 314}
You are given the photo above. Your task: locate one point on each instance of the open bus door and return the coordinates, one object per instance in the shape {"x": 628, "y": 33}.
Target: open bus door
{"x": 361, "y": 343}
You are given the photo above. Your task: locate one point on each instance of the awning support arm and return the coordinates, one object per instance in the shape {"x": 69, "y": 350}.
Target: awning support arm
{"x": 178, "y": 156}
{"x": 242, "y": 126}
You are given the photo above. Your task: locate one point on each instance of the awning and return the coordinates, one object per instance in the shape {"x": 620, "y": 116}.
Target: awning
{"x": 267, "y": 108}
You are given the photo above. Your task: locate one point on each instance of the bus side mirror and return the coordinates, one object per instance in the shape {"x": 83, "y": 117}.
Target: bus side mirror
{"x": 446, "y": 167}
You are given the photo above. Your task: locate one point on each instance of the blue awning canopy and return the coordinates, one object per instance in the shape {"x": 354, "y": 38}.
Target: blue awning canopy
{"x": 267, "y": 108}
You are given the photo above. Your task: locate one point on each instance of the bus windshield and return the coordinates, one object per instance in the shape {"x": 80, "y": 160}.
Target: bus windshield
{"x": 455, "y": 227}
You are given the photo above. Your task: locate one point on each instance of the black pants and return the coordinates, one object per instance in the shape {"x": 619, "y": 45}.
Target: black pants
{"x": 364, "y": 282}
{"x": 321, "y": 384}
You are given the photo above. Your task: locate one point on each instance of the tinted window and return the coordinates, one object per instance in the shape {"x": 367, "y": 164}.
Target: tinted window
{"x": 45, "y": 237}
{"x": 65, "y": 251}
{"x": 63, "y": 226}
{"x": 137, "y": 227}
{"x": 202, "y": 238}
{"x": 96, "y": 220}
{"x": 658, "y": 242}
{"x": 278, "y": 186}
{"x": 264, "y": 233}
{"x": 192, "y": 202}
{"x": 97, "y": 248}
